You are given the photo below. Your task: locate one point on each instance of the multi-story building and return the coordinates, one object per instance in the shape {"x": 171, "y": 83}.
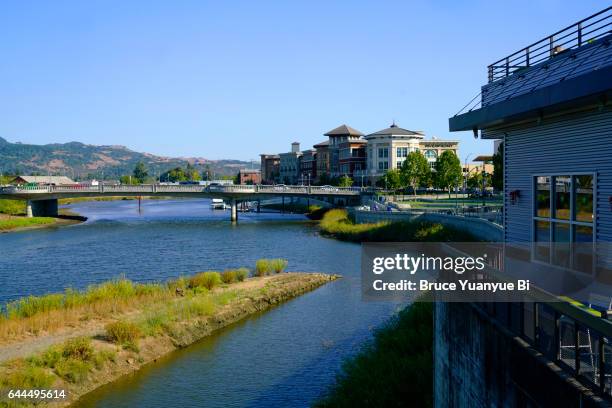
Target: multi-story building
{"x": 433, "y": 148}
{"x": 388, "y": 148}
{"x": 352, "y": 157}
{"x": 270, "y": 168}
{"x": 248, "y": 176}
{"x": 323, "y": 163}
{"x": 290, "y": 165}
{"x": 338, "y": 136}
{"x": 308, "y": 166}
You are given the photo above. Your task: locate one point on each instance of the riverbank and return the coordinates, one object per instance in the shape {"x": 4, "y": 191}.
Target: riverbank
{"x": 132, "y": 333}
{"x": 337, "y": 224}
{"x": 14, "y": 223}
{"x": 394, "y": 370}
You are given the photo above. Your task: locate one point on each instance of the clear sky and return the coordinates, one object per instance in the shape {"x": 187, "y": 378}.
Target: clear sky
{"x": 232, "y": 79}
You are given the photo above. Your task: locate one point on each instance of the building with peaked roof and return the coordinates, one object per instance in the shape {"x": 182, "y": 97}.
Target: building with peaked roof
{"x": 388, "y": 148}
{"x": 338, "y": 136}
{"x": 323, "y": 162}
{"x": 43, "y": 180}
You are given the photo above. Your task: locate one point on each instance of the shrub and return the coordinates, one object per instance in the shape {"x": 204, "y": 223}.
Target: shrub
{"x": 229, "y": 276}
{"x": 278, "y": 265}
{"x": 242, "y": 274}
{"x": 207, "y": 280}
{"x": 73, "y": 370}
{"x": 262, "y": 267}
{"x": 79, "y": 348}
{"x": 122, "y": 332}
{"x": 28, "y": 378}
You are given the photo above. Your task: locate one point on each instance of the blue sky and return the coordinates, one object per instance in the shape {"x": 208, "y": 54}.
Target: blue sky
{"x": 232, "y": 79}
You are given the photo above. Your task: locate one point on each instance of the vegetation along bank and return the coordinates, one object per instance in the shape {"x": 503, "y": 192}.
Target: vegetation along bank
{"x": 80, "y": 340}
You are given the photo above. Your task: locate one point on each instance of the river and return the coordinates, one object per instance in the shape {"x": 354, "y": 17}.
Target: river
{"x": 284, "y": 357}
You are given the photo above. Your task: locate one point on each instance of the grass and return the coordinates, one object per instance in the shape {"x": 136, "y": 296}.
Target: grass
{"x": 336, "y": 223}
{"x": 12, "y": 207}
{"x": 394, "y": 370}
{"x": 34, "y": 314}
{"x": 206, "y": 280}
{"x": 72, "y": 361}
{"x": 122, "y": 332}
{"x": 8, "y": 224}
{"x": 265, "y": 267}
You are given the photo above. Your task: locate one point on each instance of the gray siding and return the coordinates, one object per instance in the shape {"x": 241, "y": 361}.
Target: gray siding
{"x": 581, "y": 142}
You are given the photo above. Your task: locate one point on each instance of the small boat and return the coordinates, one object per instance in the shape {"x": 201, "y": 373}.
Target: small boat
{"x": 218, "y": 204}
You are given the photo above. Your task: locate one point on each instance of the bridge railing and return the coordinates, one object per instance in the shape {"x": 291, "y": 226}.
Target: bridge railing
{"x": 161, "y": 188}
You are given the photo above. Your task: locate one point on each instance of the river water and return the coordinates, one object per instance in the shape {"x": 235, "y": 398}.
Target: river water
{"x": 283, "y": 357}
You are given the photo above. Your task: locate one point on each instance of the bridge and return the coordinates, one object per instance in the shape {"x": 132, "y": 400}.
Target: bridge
{"x": 42, "y": 200}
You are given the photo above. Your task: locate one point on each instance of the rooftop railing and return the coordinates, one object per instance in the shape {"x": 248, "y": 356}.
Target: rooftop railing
{"x": 576, "y": 35}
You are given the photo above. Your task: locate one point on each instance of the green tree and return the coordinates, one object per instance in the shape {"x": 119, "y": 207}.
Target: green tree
{"x": 448, "y": 171}
{"x": 497, "y": 180}
{"x": 345, "y": 181}
{"x": 415, "y": 170}
{"x": 390, "y": 180}
{"x": 140, "y": 172}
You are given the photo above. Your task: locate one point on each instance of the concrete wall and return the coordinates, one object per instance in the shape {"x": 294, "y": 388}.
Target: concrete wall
{"x": 482, "y": 229}
{"x": 479, "y": 363}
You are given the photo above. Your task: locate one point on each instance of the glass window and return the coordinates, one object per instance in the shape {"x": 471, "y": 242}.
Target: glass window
{"x": 543, "y": 196}
{"x": 562, "y": 197}
{"x": 380, "y": 165}
{"x": 584, "y": 198}
{"x": 561, "y": 246}
{"x": 431, "y": 154}
{"x": 399, "y": 164}
{"x": 542, "y": 238}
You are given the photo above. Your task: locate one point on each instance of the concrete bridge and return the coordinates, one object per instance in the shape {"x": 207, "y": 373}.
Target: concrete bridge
{"x": 42, "y": 200}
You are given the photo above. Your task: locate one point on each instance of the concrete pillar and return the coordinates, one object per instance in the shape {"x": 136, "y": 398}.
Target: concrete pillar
{"x": 29, "y": 209}
{"x": 234, "y": 216}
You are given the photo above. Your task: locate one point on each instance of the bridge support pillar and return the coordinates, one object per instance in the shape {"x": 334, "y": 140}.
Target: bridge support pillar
{"x": 29, "y": 209}
{"x": 42, "y": 208}
{"x": 234, "y": 216}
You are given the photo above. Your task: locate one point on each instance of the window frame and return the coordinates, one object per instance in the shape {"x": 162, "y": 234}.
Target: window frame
{"x": 571, "y": 222}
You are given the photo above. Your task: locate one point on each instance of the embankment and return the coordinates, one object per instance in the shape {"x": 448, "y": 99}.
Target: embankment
{"x": 99, "y": 345}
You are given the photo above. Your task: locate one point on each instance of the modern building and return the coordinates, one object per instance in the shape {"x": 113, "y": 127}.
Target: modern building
{"x": 550, "y": 104}
{"x": 248, "y": 176}
{"x": 43, "y": 180}
{"x": 352, "y": 158}
{"x": 339, "y": 137}
{"x": 323, "y": 162}
{"x": 289, "y": 165}
{"x": 388, "y": 148}
{"x": 308, "y": 166}
{"x": 270, "y": 168}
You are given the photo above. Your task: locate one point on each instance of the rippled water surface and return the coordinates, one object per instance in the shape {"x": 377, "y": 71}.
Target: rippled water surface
{"x": 284, "y": 357}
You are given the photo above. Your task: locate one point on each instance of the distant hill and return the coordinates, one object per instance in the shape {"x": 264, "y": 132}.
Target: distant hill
{"x": 80, "y": 160}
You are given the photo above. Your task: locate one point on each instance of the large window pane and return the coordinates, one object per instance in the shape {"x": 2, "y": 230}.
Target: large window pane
{"x": 542, "y": 238}
{"x": 561, "y": 244}
{"x": 543, "y": 196}
{"x": 583, "y": 248}
{"x": 562, "y": 197}
{"x": 584, "y": 198}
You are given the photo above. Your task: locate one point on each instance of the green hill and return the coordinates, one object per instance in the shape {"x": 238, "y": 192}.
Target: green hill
{"x": 78, "y": 160}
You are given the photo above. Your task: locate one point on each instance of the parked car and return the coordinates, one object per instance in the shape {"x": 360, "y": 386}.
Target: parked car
{"x": 280, "y": 187}
{"x": 329, "y": 188}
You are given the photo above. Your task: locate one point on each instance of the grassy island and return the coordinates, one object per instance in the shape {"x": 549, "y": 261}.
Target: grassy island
{"x": 80, "y": 340}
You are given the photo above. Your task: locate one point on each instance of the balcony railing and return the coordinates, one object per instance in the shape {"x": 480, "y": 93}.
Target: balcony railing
{"x": 581, "y": 33}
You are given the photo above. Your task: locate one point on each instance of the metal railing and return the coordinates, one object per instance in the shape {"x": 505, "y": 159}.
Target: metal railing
{"x": 161, "y": 189}
{"x": 576, "y": 35}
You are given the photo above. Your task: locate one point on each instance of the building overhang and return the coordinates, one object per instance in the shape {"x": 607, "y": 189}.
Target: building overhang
{"x": 593, "y": 87}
